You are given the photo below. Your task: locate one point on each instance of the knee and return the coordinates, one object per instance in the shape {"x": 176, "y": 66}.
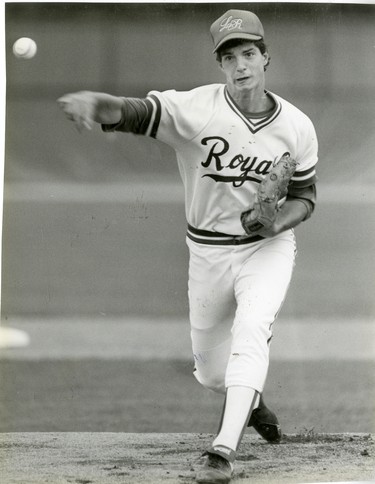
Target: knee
{"x": 212, "y": 381}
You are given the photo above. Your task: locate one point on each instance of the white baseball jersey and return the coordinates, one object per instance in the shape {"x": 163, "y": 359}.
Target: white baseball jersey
{"x": 223, "y": 154}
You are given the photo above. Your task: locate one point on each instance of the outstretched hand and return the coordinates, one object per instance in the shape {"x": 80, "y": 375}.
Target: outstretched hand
{"x": 80, "y": 108}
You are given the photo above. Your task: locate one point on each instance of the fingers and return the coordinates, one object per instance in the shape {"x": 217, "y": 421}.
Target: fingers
{"x": 82, "y": 123}
{"x": 79, "y": 109}
{"x": 64, "y": 99}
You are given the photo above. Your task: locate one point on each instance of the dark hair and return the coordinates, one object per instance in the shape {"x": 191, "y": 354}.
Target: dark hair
{"x": 230, "y": 44}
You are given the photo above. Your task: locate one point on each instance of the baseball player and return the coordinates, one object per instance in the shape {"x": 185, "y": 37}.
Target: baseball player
{"x": 247, "y": 159}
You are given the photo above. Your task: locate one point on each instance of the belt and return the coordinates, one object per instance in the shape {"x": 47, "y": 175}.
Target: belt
{"x": 218, "y": 238}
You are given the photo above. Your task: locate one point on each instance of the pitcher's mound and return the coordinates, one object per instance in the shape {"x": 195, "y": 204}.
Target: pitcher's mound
{"x": 109, "y": 458}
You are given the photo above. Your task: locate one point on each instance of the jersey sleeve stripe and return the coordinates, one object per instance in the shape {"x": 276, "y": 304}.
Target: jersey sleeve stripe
{"x": 304, "y": 178}
{"x": 301, "y": 174}
{"x": 155, "y": 117}
{"x": 304, "y": 182}
{"x": 304, "y": 175}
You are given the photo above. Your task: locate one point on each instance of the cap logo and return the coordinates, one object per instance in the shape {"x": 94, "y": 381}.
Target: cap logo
{"x": 231, "y": 23}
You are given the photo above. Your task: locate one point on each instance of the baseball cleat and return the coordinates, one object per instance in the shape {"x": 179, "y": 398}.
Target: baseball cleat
{"x": 216, "y": 470}
{"x": 265, "y": 423}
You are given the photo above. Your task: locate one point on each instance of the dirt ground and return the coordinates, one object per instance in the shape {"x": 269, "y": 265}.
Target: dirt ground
{"x": 111, "y": 458}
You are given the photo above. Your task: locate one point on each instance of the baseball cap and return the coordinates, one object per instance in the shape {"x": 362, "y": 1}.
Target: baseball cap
{"x": 236, "y": 24}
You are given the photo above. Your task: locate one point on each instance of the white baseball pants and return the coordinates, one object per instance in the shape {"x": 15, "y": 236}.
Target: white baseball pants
{"x": 235, "y": 294}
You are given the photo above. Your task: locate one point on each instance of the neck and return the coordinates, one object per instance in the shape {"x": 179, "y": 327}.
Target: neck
{"x": 252, "y": 101}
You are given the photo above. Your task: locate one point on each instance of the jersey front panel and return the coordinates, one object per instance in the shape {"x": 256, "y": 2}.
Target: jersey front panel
{"x": 222, "y": 156}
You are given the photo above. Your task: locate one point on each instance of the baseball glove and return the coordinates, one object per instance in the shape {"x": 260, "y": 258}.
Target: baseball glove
{"x": 272, "y": 188}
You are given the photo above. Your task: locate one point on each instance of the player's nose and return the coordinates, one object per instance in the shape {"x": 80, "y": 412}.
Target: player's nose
{"x": 240, "y": 66}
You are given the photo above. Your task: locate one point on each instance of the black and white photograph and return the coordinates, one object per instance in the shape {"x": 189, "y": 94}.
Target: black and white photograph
{"x": 188, "y": 243}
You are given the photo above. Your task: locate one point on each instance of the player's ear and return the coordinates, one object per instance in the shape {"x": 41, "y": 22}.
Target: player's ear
{"x": 218, "y": 60}
{"x": 266, "y": 60}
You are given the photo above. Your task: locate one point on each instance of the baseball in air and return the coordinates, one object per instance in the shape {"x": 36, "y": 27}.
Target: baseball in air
{"x": 24, "y": 48}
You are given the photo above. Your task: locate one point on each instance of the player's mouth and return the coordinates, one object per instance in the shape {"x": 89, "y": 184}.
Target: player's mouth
{"x": 241, "y": 80}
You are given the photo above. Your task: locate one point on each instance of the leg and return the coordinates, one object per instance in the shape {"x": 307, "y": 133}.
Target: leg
{"x": 262, "y": 275}
{"x": 212, "y": 309}
{"x": 260, "y": 288}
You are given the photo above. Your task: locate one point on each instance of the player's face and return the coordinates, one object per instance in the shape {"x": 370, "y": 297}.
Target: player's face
{"x": 243, "y": 66}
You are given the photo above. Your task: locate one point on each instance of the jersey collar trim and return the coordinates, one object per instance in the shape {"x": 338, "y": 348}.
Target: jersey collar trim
{"x": 253, "y": 125}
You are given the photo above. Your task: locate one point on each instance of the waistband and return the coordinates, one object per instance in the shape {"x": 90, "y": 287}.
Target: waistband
{"x": 218, "y": 238}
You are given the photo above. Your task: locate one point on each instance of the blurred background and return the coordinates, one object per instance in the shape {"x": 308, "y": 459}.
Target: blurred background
{"x": 94, "y": 224}
{"x": 76, "y": 206}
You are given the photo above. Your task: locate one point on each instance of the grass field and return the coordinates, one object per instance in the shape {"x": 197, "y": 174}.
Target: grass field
{"x": 95, "y": 395}
{"x": 136, "y": 376}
